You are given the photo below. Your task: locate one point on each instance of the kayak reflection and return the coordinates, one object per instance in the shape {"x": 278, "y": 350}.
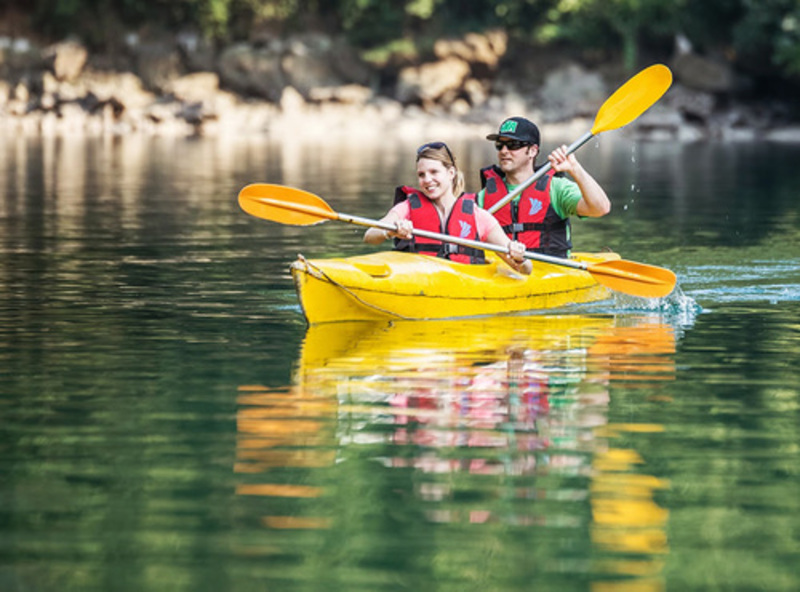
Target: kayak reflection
{"x": 501, "y": 422}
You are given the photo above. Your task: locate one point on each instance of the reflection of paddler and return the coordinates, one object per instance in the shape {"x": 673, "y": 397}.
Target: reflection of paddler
{"x": 481, "y": 357}
{"x": 628, "y": 526}
{"x": 365, "y": 348}
{"x": 641, "y": 351}
{"x": 278, "y": 429}
{"x": 473, "y": 383}
{"x": 283, "y": 428}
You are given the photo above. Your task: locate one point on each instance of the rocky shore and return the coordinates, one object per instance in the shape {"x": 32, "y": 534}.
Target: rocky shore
{"x": 316, "y": 85}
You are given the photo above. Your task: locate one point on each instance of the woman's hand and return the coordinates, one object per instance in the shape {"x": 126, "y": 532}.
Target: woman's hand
{"x": 376, "y": 235}
{"x": 405, "y": 230}
{"x": 516, "y": 250}
{"x": 516, "y": 257}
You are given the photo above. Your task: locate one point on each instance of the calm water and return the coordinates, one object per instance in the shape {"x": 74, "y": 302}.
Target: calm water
{"x": 168, "y": 423}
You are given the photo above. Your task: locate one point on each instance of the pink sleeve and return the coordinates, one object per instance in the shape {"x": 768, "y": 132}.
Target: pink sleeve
{"x": 402, "y": 209}
{"x": 485, "y": 222}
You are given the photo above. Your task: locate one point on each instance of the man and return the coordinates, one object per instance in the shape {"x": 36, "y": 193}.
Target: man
{"x": 539, "y": 217}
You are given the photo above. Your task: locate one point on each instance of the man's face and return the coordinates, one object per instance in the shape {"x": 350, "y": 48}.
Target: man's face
{"x": 513, "y": 156}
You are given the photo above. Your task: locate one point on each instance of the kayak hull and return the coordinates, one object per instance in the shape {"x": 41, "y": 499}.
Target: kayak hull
{"x": 392, "y": 285}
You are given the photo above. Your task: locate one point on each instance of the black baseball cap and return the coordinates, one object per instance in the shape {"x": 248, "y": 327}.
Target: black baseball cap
{"x": 517, "y": 128}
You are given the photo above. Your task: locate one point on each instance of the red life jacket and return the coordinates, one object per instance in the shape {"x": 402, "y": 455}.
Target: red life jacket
{"x": 532, "y": 220}
{"x": 461, "y": 223}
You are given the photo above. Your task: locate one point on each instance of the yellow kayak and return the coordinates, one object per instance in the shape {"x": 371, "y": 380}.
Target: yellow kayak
{"x": 391, "y": 285}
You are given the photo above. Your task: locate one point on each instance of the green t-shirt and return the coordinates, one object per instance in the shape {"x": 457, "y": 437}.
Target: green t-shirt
{"x": 564, "y": 196}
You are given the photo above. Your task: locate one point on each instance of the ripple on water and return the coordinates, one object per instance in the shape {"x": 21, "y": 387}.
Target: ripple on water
{"x": 761, "y": 281}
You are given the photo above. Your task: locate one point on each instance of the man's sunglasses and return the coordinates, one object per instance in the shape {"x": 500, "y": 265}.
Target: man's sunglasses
{"x": 510, "y": 144}
{"x": 436, "y": 146}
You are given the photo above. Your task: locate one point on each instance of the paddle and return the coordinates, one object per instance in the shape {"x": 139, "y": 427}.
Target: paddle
{"x": 627, "y": 103}
{"x": 288, "y": 205}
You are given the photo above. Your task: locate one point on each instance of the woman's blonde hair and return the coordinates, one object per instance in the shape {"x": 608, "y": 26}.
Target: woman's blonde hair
{"x": 439, "y": 151}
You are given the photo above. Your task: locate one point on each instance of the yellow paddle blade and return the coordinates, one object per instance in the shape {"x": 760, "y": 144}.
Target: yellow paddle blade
{"x": 636, "y": 279}
{"x": 286, "y": 205}
{"x": 633, "y": 98}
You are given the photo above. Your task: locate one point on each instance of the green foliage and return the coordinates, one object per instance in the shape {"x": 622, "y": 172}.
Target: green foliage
{"x": 768, "y": 35}
{"x": 370, "y": 23}
{"x": 760, "y": 35}
{"x": 421, "y": 8}
{"x": 787, "y": 44}
{"x": 608, "y": 23}
{"x": 213, "y": 17}
{"x": 708, "y": 23}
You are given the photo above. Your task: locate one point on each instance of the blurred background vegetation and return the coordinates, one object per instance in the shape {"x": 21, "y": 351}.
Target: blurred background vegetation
{"x": 760, "y": 38}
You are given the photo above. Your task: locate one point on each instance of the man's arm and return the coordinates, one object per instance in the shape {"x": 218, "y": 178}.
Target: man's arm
{"x": 594, "y": 202}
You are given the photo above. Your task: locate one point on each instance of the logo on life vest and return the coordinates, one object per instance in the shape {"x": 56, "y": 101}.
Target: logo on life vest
{"x": 508, "y": 126}
{"x": 536, "y": 206}
{"x": 466, "y": 229}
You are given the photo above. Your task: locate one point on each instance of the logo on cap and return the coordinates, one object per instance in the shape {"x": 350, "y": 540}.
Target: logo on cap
{"x": 508, "y": 126}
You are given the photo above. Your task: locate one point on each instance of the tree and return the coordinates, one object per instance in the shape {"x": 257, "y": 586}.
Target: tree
{"x": 625, "y": 22}
{"x": 771, "y": 29}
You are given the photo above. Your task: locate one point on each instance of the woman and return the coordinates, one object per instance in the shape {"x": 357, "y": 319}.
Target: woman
{"x": 435, "y": 207}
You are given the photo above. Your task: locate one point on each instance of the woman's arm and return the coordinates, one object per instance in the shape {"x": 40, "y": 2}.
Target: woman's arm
{"x": 515, "y": 257}
{"x": 397, "y": 216}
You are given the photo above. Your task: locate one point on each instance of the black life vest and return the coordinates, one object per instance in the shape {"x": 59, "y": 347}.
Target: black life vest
{"x": 461, "y": 223}
{"x": 532, "y": 220}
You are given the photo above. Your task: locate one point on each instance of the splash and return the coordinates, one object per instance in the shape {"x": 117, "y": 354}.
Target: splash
{"x": 678, "y": 309}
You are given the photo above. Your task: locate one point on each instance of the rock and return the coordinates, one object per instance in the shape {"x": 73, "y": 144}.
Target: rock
{"x": 157, "y": 64}
{"x": 21, "y": 93}
{"x": 695, "y": 105}
{"x": 701, "y": 73}
{"x": 784, "y": 134}
{"x": 178, "y": 86}
{"x": 252, "y": 71}
{"x": 460, "y": 108}
{"x": 481, "y": 52}
{"x": 305, "y": 71}
{"x": 48, "y": 101}
{"x": 19, "y": 55}
{"x": 476, "y": 91}
{"x": 347, "y": 63}
{"x": 124, "y": 88}
{"x": 65, "y": 60}
{"x": 5, "y": 93}
{"x": 571, "y": 91}
{"x": 351, "y": 94}
{"x": 431, "y": 81}
{"x": 291, "y": 101}
{"x": 194, "y": 87}
{"x": 198, "y": 54}
{"x": 657, "y": 123}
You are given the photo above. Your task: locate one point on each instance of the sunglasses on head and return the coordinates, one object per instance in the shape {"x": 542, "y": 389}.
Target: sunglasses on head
{"x": 510, "y": 144}
{"x": 436, "y": 146}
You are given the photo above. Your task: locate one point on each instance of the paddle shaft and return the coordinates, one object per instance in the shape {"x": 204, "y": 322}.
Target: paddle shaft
{"x": 294, "y": 206}
{"x": 595, "y": 270}
{"x": 539, "y": 174}
{"x": 464, "y": 242}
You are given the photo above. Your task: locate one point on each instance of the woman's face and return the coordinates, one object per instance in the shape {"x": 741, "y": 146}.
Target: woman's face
{"x": 434, "y": 178}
